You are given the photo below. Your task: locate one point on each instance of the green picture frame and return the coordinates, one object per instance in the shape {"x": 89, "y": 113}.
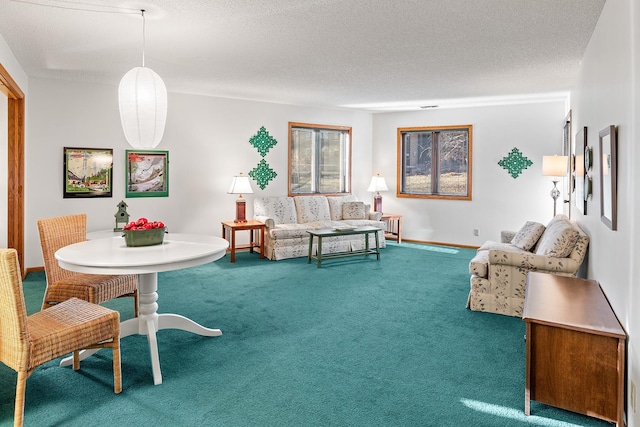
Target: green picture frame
{"x": 87, "y": 172}
{"x": 146, "y": 173}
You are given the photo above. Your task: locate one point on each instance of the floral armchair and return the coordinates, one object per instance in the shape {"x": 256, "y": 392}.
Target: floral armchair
{"x": 499, "y": 270}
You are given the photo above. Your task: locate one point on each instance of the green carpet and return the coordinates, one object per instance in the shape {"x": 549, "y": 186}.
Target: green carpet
{"x": 358, "y": 342}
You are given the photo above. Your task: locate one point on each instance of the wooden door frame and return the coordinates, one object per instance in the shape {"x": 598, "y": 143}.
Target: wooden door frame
{"x": 15, "y": 166}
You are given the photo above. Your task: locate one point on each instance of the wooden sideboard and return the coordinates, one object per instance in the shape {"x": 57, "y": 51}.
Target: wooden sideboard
{"x": 575, "y": 347}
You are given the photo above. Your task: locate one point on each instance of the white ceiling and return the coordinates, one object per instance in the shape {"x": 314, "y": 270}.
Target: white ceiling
{"x": 329, "y": 53}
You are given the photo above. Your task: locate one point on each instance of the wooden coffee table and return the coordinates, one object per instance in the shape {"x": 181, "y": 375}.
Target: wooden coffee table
{"x": 320, "y": 234}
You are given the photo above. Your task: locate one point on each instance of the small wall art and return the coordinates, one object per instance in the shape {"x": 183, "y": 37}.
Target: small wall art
{"x": 147, "y": 173}
{"x": 515, "y": 163}
{"x": 87, "y": 172}
{"x": 262, "y": 174}
{"x": 608, "y": 176}
{"x": 262, "y": 141}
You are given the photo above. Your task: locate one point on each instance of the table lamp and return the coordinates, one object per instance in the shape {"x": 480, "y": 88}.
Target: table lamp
{"x": 555, "y": 166}
{"x": 377, "y": 184}
{"x": 240, "y": 185}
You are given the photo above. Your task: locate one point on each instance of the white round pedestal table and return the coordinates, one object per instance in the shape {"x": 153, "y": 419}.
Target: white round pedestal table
{"x": 110, "y": 255}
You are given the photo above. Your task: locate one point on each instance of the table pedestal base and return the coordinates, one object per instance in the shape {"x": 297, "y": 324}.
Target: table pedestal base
{"x": 149, "y": 322}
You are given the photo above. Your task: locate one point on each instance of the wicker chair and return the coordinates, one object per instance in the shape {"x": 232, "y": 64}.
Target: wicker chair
{"x": 62, "y": 284}
{"x": 27, "y": 342}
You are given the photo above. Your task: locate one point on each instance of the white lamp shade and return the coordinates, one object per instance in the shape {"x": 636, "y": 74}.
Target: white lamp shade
{"x": 240, "y": 185}
{"x": 554, "y": 165}
{"x": 142, "y": 97}
{"x": 377, "y": 184}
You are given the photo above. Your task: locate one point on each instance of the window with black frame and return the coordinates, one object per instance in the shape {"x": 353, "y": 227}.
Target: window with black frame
{"x": 435, "y": 162}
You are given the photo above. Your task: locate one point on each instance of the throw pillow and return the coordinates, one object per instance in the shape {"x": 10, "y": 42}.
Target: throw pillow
{"x": 558, "y": 240}
{"x": 335, "y": 205}
{"x": 528, "y": 235}
{"x": 353, "y": 210}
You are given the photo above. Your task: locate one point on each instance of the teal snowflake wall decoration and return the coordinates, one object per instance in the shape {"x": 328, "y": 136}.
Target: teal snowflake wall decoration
{"x": 262, "y": 174}
{"x": 515, "y": 163}
{"x": 263, "y": 141}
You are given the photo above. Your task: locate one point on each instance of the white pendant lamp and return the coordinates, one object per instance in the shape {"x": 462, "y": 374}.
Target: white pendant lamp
{"x": 142, "y": 97}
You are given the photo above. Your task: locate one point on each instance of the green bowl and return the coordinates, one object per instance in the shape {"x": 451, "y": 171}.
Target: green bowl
{"x": 153, "y": 236}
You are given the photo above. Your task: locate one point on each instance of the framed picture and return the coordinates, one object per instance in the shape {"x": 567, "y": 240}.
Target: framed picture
{"x": 608, "y": 177}
{"x": 87, "y": 172}
{"x": 568, "y": 185}
{"x": 147, "y": 173}
{"x": 582, "y": 179}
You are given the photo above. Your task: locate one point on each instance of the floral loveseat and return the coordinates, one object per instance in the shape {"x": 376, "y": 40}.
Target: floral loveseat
{"x": 499, "y": 270}
{"x": 287, "y": 220}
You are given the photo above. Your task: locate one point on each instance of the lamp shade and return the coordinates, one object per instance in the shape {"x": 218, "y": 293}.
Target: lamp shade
{"x": 377, "y": 184}
{"x": 554, "y": 165}
{"x": 142, "y": 98}
{"x": 240, "y": 185}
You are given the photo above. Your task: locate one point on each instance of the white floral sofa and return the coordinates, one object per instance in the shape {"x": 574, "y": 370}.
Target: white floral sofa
{"x": 499, "y": 270}
{"x": 287, "y": 220}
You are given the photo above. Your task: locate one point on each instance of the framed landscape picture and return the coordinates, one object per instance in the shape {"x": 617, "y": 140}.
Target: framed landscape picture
{"x": 87, "y": 172}
{"x": 147, "y": 173}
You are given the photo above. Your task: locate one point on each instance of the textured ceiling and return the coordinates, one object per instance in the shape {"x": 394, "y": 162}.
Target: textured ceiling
{"x": 326, "y": 53}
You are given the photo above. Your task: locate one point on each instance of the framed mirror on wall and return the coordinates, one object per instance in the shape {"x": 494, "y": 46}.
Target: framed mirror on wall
{"x": 608, "y": 176}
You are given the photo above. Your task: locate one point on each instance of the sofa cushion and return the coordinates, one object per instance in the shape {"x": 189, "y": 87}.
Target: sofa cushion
{"x": 558, "y": 240}
{"x": 312, "y": 209}
{"x": 490, "y": 244}
{"x": 281, "y": 209}
{"x": 335, "y": 205}
{"x": 479, "y": 265}
{"x": 528, "y": 235}
{"x": 353, "y": 210}
{"x": 289, "y": 231}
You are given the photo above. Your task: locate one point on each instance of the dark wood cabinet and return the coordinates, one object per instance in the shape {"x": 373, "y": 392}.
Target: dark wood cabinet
{"x": 575, "y": 347}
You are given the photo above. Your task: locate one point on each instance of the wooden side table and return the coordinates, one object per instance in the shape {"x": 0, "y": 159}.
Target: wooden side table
{"x": 252, "y": 226}
{"x": 575, "y": 347}
{"x": 394, "y": 226}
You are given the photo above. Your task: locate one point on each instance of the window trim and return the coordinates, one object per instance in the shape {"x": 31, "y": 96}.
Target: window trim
{"x": 400, "y": 163}
{"x": 348, "y": 152}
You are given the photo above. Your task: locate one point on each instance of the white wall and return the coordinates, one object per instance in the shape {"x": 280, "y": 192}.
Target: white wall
{"x": 11, "y": 64}
{"x": 499, "y": 202}
{"x": 208, "y": 143}
{"x": 608, "y": 93}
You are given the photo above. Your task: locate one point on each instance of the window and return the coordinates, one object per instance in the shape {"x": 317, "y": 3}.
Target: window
{"x": 319, "y": 159}
{"x": 435, "y": 162}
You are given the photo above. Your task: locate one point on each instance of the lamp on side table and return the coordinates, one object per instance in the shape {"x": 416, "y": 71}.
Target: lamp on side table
{"x": 377, "y": 185}
{"x": 240, "y": 185}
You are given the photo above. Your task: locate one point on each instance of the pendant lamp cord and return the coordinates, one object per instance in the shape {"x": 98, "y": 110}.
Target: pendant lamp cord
{"x": 143, "y": 39}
